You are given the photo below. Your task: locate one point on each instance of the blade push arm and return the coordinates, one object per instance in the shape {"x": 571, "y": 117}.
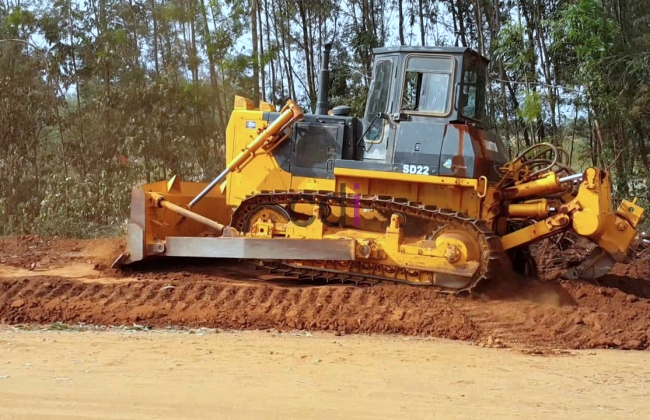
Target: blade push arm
{"x": 267, "y": 139}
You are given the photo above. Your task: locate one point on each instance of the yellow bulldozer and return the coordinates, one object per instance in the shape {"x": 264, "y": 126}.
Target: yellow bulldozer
{"x": 417, "y": 191}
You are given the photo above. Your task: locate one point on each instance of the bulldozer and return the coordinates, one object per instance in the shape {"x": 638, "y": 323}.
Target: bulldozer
{"x": 416, "y": 191}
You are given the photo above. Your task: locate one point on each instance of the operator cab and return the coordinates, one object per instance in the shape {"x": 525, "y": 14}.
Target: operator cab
{"x": 426, "y": 113}
{"x": 424, "y": 81}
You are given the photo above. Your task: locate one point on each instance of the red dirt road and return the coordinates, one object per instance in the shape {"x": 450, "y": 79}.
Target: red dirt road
{"x": 44, "y": 281}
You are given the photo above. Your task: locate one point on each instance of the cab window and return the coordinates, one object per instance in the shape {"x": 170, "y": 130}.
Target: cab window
{"x": 472, "y": 99}
{"x": 378, "y": 100}
{"x": 427, "y": 85}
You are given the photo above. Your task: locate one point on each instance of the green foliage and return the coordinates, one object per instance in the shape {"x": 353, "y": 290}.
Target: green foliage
{"x": 347, "y": 86}
{"x": 585, "y": 35}
{"x": 531, "y": 108}
{"x": 96, "y": 206}
{"x": 599, "y": 48}
{"x": 86, "y": 120}
{"x": 363, "y": 41}
{"x": 513, "y": 50}
{"x": 123, "y": 92}
{"x": 587, "y": 31}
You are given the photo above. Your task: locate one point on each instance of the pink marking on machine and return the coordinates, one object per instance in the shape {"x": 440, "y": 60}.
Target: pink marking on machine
{"x": 357, "y": 202}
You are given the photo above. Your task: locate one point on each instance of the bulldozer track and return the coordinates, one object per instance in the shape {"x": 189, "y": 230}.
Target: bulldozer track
{"x": 492, "y": 255}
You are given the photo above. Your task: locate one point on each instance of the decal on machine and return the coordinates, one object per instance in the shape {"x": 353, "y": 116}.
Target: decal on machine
{"x": 415, "y": 169}
{"x": 251, "y": 124}
{"x": 490, "y": 145}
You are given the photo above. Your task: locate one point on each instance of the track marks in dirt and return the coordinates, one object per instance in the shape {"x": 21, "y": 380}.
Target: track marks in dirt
{"x": 512, "y": 323}
{"x": 349, "y": 309}
{"x": 581, "y": 315}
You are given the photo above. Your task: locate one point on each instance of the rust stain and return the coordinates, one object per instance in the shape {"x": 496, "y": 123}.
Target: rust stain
{"x": 458, "y": 165}
{"x": 479, "y": 137}
{"x": 483, "y": 160}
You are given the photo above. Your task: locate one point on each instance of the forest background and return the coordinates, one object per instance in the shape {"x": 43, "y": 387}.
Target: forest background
{"x": 99, "y": 95}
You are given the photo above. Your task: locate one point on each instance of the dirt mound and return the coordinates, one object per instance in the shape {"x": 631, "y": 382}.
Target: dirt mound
{"x": 34, "y": 252}
{"x": 574, "y": 315}
{"x": 195, "y": 293}
{"x": 629, "y": 278}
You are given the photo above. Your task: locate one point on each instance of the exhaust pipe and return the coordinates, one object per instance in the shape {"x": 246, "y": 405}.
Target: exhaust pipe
{"x": 322, "y": 106}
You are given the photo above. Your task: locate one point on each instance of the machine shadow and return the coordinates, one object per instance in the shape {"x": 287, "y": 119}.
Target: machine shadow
{"x": 225, "y": 269}
{"x": 639, "y": 287}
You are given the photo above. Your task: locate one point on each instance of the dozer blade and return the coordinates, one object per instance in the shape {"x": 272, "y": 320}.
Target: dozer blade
{"x": 161, "y": 225}
{"x": 597, "y": 264}
{"x": 150, "y": 223}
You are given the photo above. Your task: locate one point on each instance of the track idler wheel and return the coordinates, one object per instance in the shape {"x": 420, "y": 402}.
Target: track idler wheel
{"x": 266, "y": 218}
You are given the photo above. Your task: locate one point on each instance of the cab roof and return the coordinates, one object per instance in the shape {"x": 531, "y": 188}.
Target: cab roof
{"x": 426, "y": 49}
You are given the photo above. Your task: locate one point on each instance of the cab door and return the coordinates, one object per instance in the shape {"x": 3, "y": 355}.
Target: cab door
{"x": 378, "y": 130}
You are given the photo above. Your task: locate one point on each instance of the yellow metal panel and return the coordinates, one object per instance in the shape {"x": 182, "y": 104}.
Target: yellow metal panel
{"x": 630, "y": 211}
{"x": 305, "y": 183}
{"x": 350, "y": 185}
{"x": 243, "y": 103}
{"x": 265, "y": 106}
{"x": 264, "y": 173}
{"x": 397, "y": 176}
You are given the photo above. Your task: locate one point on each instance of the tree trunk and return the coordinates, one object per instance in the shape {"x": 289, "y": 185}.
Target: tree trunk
{"x": 256, "y": 63}
{"x": 214, "y": 81}
{"x": 401, "y": 22}
{"x": 273, "y": 95}
{"x": 423, "y": 29}
{"x": 193, "y": 52}
{"x": 261, "y": 55}
{"x": 311, "y": 90}
{"x": 155, "y": 35}
{"x": 82, "y": 142}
